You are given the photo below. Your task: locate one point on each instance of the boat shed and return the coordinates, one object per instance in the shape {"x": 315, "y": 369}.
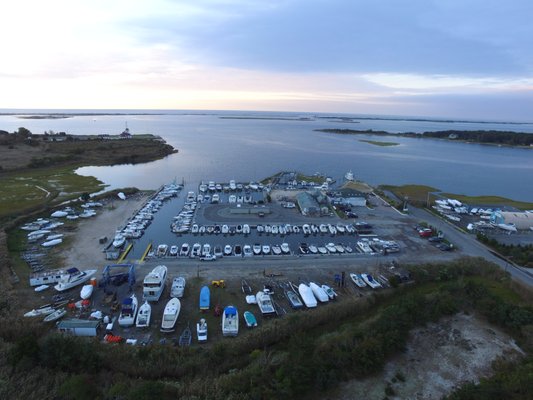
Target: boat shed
{"x": 521, "y": 220}
{"x": 79, "y": 327}
{"x": 308, "y": 204}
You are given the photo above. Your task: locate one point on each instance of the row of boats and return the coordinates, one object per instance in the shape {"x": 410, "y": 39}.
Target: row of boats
{"x": 218, "y": 251}
{"x": 275, "y": 229}
{"x": 212, "y": 186}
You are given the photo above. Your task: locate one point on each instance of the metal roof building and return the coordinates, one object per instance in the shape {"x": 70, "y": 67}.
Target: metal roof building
{"x": 79, "y": 327}
{"x": 308, "y": 204}
{"x": 521, "y": 220}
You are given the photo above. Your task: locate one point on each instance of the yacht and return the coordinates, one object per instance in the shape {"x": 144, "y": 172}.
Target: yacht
{"x": 173, "y": 251}
{"x": 73, "y": 277}
{"x": 257, "y": 249}
{"x": 178, "y": 287}
{"x": 265, "y": 303}
{"x": 154, "y": 283}
{"x": 184, "y": 252}
{"x": 128, "y": 312}
{"x": 170, "y": 315}
{"x": 196, "y": 250}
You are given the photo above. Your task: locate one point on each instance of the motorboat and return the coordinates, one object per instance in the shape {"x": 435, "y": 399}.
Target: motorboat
{"x": 57, "y": 314}
{"x": 238, "y": 250}
{"x": 265, "y": 304}
{"x": 340, "y": 248}
{"x": 194, "y": 228}
{"x": 260, "y": 228}
{"x": 86, "y": 291}
{"x": 274, "y": 229}
{"x": 206, "y": 249}
{"x": 232, "y": 199}
{"x": 322, "y": 249}
{"x": 347, "y": 248}
{"x": 247, "y": 250}
{"x": 329, "y": 291}
{"x": 296, "y": 229}
{"x": 306, "y": 229}
{"x": 178, "y": 287}
{"x": 173, "y": 252}
{"x": 196, "y": 250}
{"x": 314, "y": 229}
{"x": 294, "y": 299}
{"x": 39, "y": 234}
{"x": 319, "y": 293}
{"x": 332, "y": 230}
{"x": 201, "y": 330}
{"x": 256, "y": 249}
{"x": 224, "y": 229}
{"x": 128, "y": 312}
{"x": 230, "y": 321}
{"x": 51, "y": 243}
{"x": 249, "y": 318}
{"x": 154, "y": 283}
{"x": 162, "y": 250}
{"x": 307, "y": 295}
{"x": 341, "y": 228}
{"x": 276, "y": 250}
{"x": 313, "y": 249}
{"x": 73, "y": 277}
{"x": 331, "y": 248}
{"x": 303, "y": 248}
{"x": 215, "y": 199}
{"x": 266, "y": 249}
{"x": 205, "y": 298}
{"x": 217, "y": 251}
{"x": 41, "y": 288}
{"x": 232, "y": 185}
{"x": 143, "y": 316}
{"x": 323, "y": 228}
{"x": 349, "y": 176}
{"x": 43, "y": 310}
{"x": 119, "y": 240}
{"x": 285, "y": 249}
{"x": 184, "y": 251}
{"x": 170, "y": 315}
{"x": 246, "y": 229}
{"x": 202, "y": 188}
{"x": 370, "y": 281}
{"x": 359, "y": 282}
{"x": 228, "y": 250}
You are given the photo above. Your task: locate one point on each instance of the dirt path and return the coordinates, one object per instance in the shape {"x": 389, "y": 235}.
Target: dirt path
{"x": 439, "y": 358}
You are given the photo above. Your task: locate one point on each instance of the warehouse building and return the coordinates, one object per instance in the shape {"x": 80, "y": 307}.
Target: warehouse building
{"x": 521, "y": 220}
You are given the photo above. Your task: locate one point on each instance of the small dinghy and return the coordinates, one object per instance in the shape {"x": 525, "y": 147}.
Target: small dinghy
{"x": 205, "y": 297}
{"x": 329, "y": 291}
{"x": 250, "y": 320}
{"x": 86, "y": 291}
{"x": 57, "y": 314}
{"x": 185, "y": 337}
{"x": 143, "y": 316}
{"x": 41, "y": 288}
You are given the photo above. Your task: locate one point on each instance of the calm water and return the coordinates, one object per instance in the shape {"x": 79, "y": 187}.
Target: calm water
{"x": 214, "y": 148}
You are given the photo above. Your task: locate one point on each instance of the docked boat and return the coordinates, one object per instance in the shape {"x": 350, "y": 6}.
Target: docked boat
{"x": 173, "y": 252}
{"x": 265, "y": 304}
{"x": 41, "y": 288}
{"x": 178, "y": 287}
{"x": 306, "y": 229}
{"x": 206, "y": 249}
{"x": 230, "y": 321}
{"x": 162, "y": 250}
{"x": 224, "y": 229}
{"x": 357, "y": 280}
{"x": 86, "y": 291}
{"x": 329, "y": 291}
{"x": 184, "y": 251}
{"x": 285, "y": 249}
{"x": 323, "y": 228}
{"x": 331, "y": 248}
{"x": 205, "y": 298}
{"x": 43, "y": 310}
{"x": 143, "y": 316}
{"x": 319, "y": 293}
{"x": 341, "y": 228}
{"x": 370, "y": 281}
{"x": 128, "y": 312}
{"x": 154, "y": 283}
{"x": 276, "y": 250}
{"x": 266, "y": 249}
{"x": 170, "y": 315}
{"x": 340, "y": 248}
{"x": 246, "y": 229}
{"x": 217, "y": 251}
{"x": 349, "y": 176}
{"x": 322, "y": 249}
{"x": 57, "y": 314}
{"x": 307, "y": 295}
{"x": 201, "y": 331}
{"x": 247, "y": 250}
{"x": 74, "y": 277}
{"x": 313, "y": 249}
{"x": 257, "y": 249}
{"x": 249, "y": 318}
{"x": 228, "y": 250}
{"x": 294, "y": 299}
{"x": 119, "y": 240}
{"x": 196, "y": 250}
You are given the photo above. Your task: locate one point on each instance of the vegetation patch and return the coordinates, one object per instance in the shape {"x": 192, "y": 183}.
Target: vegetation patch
{"x": 378, "y": 143}
{"x": 520, "y": 254}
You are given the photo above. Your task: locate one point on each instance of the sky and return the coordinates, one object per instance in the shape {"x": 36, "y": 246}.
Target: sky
{"x": 442, "y": 58}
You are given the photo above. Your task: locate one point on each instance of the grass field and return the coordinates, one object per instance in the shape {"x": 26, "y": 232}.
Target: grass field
{"x": 378, "y": 143}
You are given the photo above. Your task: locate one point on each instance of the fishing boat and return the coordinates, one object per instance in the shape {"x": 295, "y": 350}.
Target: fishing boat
{"x": 86, "y": 291}
{"x": 57, "y": 314}
{"x": 319, "y": 293}
{"x": 154, "y": 283}
{"x": 307, "y": 295}
{"x": 265, "y": 304}
{"x": 143, "y": 316}
{"x": 43, "y": 310}
{"x": 128, "y": 312}
{"x": 201, "y": 330}
{"x": 294, "y": 299}
{"x": 170, "y": 315}
{"x": 178, "y": 287}
{"x": 205, "y": 298}
{"x": 357, "y": 280}
{"x": 370, "y": 281}
{"x": 74, "y": 277}
{"x": 250, "y": 320}
{"x": 329, "y": 291}
{"x": 230, "y": 321}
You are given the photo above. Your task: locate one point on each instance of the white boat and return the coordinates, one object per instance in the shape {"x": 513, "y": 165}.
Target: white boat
{"x": 323, "y": 228}
{"x": 173, "y": 252}
{"x": 266, "y": 249}
{"x": 128, "y": 312}
{"x": 59, "y": 214}
{"x": 307, "y": 295}
{"x": 225, "y": 229}
{"x": 55, "y": 236}
{"x": 370, "y": 281}
{"x": 246, "y": 229}
{"x": 154, "y": 283}
{"x": 143, "y": 316}
{"x": 319, "y": 293}
{"x": 196, "y": 250}
{"x": 228, "y": 250}
{"x": 170, "y": 315}
{"x": 265, "y": 303}
{"x": 206, "y": 249}
{"x": 247, "y": 250}
{"x": 178, "y": 287}
{"x": 47, "y": 277}
{"x": 285, "y": 249}
{"x": 357, "y": 280}
{"x": 51, "y": 243}
{"x": 161, "y": 250}
{"x": 201, "y": 330}
{"x": 43, "y": 310}
{"x": 86, "y": 291}
{"x": 215, "y": 199}
{"x": 41, "y": 288}
{"x": 349, "y": 176}
{"x": 313, "y": 249}
{"x": 230, "y": 321}
{"x": 256, "y": 249}
{"x": 330, "y": 292}
{"x": 306, "y": 229}
{"x": 232, "y": 185}
{"x": 57, "y": 314}
{"x": 73, "y": 277}
{"x": 276, "y": 250}
{"x": 184, "y": 251}
{"x": 322, "y": 249}
{"x": 119, "y": 240}
{"x": 36, "y": 235}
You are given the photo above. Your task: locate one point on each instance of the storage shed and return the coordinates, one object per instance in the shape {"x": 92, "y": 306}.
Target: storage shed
{"x": 79, "y": 327}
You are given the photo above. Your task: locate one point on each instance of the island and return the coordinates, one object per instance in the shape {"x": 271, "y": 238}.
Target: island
{"x": 500, "y": 138}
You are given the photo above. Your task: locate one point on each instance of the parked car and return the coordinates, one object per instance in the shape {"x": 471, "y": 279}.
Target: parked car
{"x": 208, "y": 257}
{"x": 435, "y": 239}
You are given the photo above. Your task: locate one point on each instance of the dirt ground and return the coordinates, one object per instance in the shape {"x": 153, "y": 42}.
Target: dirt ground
{"x": 439, "y": 358}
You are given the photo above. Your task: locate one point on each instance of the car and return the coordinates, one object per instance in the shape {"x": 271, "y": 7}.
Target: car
{"x": 425, "y": 233}
{"x": 445, "y": 247}
{"x": 208, "y": 257}
{"x": 435, "y": 239}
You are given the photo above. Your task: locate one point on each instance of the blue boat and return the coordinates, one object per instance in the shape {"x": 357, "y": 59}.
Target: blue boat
{"x": 205, "y": 297}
